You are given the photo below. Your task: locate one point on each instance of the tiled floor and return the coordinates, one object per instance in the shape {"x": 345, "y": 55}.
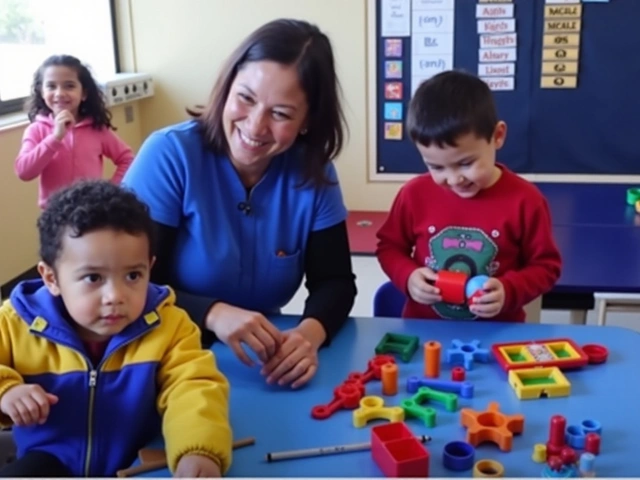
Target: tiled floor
{"x": 370, "y": 276}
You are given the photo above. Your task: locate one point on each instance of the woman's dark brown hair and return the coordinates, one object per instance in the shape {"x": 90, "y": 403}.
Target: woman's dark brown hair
{"x": 288, "y": 42}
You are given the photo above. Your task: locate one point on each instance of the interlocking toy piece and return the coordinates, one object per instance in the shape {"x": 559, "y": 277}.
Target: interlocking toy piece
{"x": 546, "y": 382}
{"x": 405, "y": 345}
{"x": 397, "y": 452}
{"x": 465, "y": 354}
{"x": 458, "y": 456}
{"x": 414, "y": 407}
{"x": 432, "y": 359}
{"x": 557, "y": 426}
{"x": 373, "y": 407}
{"x": 373, "y": 369}
{"x": 576, "y": 436}
{"x": 348, "y": 394}
{"x": 592, "y": 443}
{"x": 464, "y": 389}
{"x": 491, "y": 426}
{"x": 539, "y": 453}
{"x": 424, "y": 394}
{"x": 458, "y": 374}
{"x": 488, "y": 469}
{"x": 345, "y": 396}
{"x": 563, "y": 353}
{"x": 389, "y": 379}
{"x": 565, "y": 471}
{"x": 587, "y": 465}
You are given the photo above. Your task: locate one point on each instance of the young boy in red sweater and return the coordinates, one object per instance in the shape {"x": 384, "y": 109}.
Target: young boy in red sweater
{"x": 468, "y": 213}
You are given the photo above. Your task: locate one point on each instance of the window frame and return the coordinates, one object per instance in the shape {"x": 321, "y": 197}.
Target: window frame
{"x": 17, "y": 104}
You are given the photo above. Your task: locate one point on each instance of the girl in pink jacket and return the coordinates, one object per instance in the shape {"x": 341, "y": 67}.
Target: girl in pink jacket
{"x": 70, "y": 129}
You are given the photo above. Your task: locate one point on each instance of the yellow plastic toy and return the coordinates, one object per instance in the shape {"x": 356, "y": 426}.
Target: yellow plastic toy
{"x": 373, "y": 407}
{"x": 530, "y": 383}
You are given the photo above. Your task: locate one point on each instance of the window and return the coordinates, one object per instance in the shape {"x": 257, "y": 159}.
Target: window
{"x": 31, "y": 30}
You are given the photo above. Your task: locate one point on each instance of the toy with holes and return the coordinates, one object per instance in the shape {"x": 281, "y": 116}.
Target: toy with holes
{"x": 397, "y": 452}
{"x": 348, "y": 394}
{"x": 546, "y": 382}
{"x": 585, "y": 436}
{"x": 466, "y": 353}
{"x": 372, "y": 408}
{"x": 563, "y": 353}
{"x": 414, "y": 406}
{"x": 432, "y": 351}
{"x": 491, "y": 425}
{"x": 404, "y": 345}
{"x": 488, "y": 469}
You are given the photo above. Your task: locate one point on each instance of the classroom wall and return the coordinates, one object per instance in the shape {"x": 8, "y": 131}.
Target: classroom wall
{"x": 18, "y": 200}
{"x": 182, "y": 44}
{"x": 199, "y": 34}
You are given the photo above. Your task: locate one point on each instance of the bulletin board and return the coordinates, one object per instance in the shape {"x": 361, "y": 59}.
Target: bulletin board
{"x": 564, "y": 75}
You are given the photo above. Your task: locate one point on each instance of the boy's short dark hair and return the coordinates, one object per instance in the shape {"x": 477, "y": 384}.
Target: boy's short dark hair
{"x": 90, "y": 205}
{"x": 449, "y": 105}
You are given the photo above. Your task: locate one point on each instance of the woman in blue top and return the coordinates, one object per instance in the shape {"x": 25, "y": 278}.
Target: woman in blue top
{"x": 246, "y": 199}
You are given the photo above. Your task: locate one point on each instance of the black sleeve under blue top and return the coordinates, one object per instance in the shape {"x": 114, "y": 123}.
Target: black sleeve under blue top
{"x": 328, "y": 270}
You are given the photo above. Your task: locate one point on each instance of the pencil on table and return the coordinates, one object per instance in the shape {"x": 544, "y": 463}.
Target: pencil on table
{"x": 315, "y": 452}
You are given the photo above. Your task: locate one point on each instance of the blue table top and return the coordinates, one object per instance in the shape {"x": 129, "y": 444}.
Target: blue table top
{"x": 589, "y": 204}
{"x": 280, "y": 419}
{"x": 596, "y": 258}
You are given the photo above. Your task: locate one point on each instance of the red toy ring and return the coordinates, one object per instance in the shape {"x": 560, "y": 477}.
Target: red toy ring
{"x": 596, "y": 353}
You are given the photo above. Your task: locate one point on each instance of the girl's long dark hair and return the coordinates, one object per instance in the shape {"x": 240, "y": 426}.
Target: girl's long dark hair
{"x": 93, "y": 106}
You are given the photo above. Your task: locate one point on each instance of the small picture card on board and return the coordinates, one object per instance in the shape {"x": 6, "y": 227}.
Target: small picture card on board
{"x": 393, "y": 91}
{"x": 393, "y": 69}
{"x": 392, "y": 47}
{"x": 393, "y": 131}
{"x": 393, "y": 110}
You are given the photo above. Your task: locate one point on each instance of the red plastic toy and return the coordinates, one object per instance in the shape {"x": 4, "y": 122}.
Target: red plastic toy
{"x": 348, "y": 394}
{"x": 397, "y": 451}
{"x": 563, "y": 353}
{"x": 568, "y": 456}
{"x": 557, "y": 426}
{"x": 452, "y": 286}
{"x": 457, "y": 374}
{"x": 592, "y": 443}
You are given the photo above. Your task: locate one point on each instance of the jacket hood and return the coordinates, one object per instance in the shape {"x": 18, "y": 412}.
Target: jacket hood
{"x": 32, "y": 299}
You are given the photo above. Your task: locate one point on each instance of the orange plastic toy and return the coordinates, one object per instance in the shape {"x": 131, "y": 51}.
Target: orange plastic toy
{"x": 491, "y": 426}
{"x": 432, "y": 359}
{"x": 389, "y": 379}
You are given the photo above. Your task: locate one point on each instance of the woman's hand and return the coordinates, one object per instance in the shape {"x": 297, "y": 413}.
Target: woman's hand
{"x": 296, "y": 361}
{"x": 235, "y": 326}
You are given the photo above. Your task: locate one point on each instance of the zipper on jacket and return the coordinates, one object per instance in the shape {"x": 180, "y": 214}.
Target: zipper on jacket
{"x": 93, "y": 380}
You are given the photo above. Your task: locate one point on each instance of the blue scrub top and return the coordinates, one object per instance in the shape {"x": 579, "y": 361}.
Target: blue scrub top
{"x": 251, "y": 259}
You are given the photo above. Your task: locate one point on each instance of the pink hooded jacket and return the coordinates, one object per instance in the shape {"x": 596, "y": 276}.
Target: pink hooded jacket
{"x": 77, "y": 156}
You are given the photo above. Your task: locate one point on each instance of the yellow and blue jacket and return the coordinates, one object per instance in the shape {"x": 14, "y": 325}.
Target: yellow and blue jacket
{"x": 154, "y": 377}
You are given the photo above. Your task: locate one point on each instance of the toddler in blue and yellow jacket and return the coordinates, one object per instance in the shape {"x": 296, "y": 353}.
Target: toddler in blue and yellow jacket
{"x": 94, "y": 359}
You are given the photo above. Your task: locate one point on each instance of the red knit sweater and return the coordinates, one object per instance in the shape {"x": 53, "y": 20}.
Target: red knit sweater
{"x": 504, "y": 231}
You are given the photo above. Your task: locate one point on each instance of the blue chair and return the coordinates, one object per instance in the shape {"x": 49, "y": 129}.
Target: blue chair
{"x": 388, "y": 301}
